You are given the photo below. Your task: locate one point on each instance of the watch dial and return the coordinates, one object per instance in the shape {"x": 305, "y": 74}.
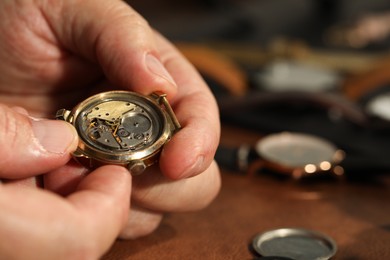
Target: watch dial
{"x": 119, "y": 125}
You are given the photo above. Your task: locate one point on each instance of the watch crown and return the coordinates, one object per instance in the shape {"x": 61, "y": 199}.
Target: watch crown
{"x": 136, "y": 167}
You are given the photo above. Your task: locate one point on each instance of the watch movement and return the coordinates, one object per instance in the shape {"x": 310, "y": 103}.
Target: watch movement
{"x": 121, "y": 127}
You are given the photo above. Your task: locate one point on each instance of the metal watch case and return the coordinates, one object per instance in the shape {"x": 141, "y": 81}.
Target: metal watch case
{"x": 299, "y": 155}
{"x": 121, "y": 127}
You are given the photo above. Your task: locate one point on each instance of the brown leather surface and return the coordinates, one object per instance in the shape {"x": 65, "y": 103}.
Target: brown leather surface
{"x": 356, "y": 215}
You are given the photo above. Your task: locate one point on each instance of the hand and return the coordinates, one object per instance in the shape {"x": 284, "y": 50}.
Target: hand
{"x": 53, "y": 54}
{"x": 36, "y": 224}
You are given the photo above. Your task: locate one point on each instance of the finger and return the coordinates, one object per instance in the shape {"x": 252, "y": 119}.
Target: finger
{"x": 117, "y": 37}
{"x": 141, "y": 222}
{"x": 103, "y": 198}
{"x": 156, "y": 192}
{"x": 32, "y": 146}
{"x": 20, "y": 110}
{"x": 192, "y": 149}
{"x": 65, "y": 180}
{"x": 85, "y": 228}
{"x": 29, "y": 182}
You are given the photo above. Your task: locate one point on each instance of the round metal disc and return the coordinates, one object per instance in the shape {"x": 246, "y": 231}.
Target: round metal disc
{"x": 136, "y": 123}
{"x": 294, "y": 243}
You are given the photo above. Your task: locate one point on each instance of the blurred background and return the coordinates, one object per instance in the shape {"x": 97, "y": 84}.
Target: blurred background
{"x": 320, "y": 67}
{"x": 260, "y": 21}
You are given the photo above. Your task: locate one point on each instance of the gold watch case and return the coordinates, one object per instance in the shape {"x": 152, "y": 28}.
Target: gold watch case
{"x": 121, "y": 127}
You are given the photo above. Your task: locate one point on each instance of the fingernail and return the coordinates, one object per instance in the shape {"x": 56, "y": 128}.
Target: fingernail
{"x": 54, "y": 136}
{"x": 158, "y": 69}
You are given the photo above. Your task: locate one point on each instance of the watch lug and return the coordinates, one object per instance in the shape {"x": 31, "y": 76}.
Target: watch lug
{"x": 83, "y": 159}
{"x": 79, "y": 154}
{"x": 63, "y": 114}
{"x": 162, "y": 100}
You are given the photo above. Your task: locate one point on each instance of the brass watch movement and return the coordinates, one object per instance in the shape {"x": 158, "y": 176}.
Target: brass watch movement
{"x": 121, "y": 127}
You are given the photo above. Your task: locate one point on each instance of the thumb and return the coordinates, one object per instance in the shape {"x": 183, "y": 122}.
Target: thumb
{"x": 30, "y": 146}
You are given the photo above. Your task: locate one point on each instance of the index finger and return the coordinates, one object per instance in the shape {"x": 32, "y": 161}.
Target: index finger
{"x": 103, "y": 199}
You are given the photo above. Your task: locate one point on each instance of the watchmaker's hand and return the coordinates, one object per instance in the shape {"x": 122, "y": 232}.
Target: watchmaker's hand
{"x": 52, "y": 54}
{"x": 37, "y": 224}
{"x": 53, "y": 50}
{"x": 30, "y": 146}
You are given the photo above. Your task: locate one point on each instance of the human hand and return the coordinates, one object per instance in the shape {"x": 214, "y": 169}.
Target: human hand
{"x": 36, "y": 224}
{"x": 53, "y": 52}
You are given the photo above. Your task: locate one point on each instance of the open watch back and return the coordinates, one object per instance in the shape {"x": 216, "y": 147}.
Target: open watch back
{"x": 121, "y": 127}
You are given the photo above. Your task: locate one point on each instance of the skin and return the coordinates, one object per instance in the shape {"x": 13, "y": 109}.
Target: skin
{"x": 53, "y": 54}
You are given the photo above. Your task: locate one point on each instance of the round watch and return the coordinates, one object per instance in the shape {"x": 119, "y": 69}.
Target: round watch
{"x": 121, "y": 127}
{"x": 299, "y": 154}
{"x": 295, "y": 154}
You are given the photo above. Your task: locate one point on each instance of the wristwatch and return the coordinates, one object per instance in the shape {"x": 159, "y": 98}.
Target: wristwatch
{"x": 122, "y": 128}
{"x": 299, "y": 154}
{"x": 293, "y": 154}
